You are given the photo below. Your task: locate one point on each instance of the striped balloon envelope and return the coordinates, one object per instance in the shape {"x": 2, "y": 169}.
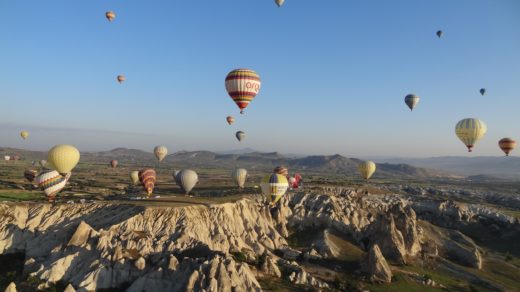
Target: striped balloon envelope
{"x": 507, "y": 145}
{"x": 470, "y": 131}
{"x": 281, "y": 170}
{"x": 147, "y": 178}
{"x": 242, "y": 86}
{"x": 274, "y": 187}
{"x": 51, "y": 182}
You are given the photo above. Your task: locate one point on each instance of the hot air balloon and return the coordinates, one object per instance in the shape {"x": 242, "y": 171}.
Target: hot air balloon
{"x": 160, "y": 152}
{"x": 274, "y": 187}
{"x": 24, "y": 134}
{"x": 470, "y": 131}
{"x": 63, "y": 157}
{"x": 439, "y": 33}
{"x": 367, "y": 169}
{"x": 239, "y": 176}
{"x": 242, "y": 86}
{"x": 30, "y": 174}
{"x": 279, "y": 2}
{"x": 230, "y": 120}
{"x": 51, "y": 182}
{"x": 147, "y": 178}
{"x": 42, "y": 162}
{"x": 121, "y": 78}
{"x": 110, "y": 15}
{"x": 281, "y": 170}
{"x": 187, "y": 179}
{"x": 507, "y": 145}
{"x": 298, "y": 178}
{"x": 292, "y": 181}
{"x": 411, "y": 101}
{"x": 482, "y": 91}
{"x": 175, "y": 177}
{"x": 240, "y": 135}
{"x": 7, "y": 158}
{"x": 114, "y": 163}
{"x": 134, "y": 176}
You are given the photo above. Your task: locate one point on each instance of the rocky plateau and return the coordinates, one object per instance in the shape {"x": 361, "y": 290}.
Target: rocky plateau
{"x": 232, "y": 246}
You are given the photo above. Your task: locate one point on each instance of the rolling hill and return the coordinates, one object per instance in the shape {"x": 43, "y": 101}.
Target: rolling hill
{"x": 497, "y": 166}
{"x": 331, "y": 164}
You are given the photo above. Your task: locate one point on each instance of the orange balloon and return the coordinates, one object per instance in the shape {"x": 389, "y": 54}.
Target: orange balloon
{"x": 507, "y": 145}
{"x": 110, "y": 15}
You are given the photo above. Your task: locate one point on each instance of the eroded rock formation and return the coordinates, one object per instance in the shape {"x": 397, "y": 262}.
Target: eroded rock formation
{"x": 217, "y": 248}
{"x": 376, "y": 266}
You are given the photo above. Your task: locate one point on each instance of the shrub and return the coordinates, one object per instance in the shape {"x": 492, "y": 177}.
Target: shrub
{"x": 261, "y": 260}
{"x": 239, "y": 256}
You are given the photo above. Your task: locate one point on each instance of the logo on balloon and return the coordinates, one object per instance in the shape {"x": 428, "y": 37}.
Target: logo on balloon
{"x": 254, "y": 86}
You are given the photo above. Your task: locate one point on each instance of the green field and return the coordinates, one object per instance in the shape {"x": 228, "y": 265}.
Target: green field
{"x": 100, "y": 182}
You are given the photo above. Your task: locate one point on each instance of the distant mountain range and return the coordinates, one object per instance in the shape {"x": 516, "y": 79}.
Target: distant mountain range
{"x": 475, "y": 167}
{"x": 500, "y": 167}
{"x": 250, "y": 150}
{"x": 237, "y": 151}
{"x": 332, "y": 164}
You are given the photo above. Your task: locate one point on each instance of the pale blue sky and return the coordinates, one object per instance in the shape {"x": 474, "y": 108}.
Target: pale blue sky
{"x": 334, "y": 74}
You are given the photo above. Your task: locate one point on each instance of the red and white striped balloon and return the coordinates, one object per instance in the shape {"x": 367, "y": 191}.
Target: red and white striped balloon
{"x": 147, "y": 178}
{"x": 242, "y": 86}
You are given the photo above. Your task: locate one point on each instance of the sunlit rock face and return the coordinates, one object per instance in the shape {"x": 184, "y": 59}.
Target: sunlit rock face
{"x": 97, "y": 246}
{"x": 92, "y": 246}
{"x": 376, "y": 266}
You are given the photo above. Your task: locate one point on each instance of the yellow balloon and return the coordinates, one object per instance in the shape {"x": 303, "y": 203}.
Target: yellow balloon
{"x": 274, "y": 187}
{"x": 470, "y": 131}
{"x": 63, "y": 158}
{"x": 24, "y": 134}
{"x": 367, "y": 169}
{"x": 134, "y": 175}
